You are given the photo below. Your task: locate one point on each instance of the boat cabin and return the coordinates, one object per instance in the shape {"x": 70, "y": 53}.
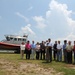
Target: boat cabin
{"x": 15, "y": 39}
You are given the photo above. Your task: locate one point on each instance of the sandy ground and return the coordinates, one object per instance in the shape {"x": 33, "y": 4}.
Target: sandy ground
{"x": 25, "y": 69}
{"x": 70, "y": 66}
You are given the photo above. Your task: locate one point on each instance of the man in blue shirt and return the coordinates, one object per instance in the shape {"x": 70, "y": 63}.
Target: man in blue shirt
{"x": 33, "y": 46}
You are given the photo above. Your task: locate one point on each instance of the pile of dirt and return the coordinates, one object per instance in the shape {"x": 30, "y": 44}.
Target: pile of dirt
{"x": 23, "y": 68}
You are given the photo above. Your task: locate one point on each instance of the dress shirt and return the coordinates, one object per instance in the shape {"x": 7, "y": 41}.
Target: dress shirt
{"x": 59, "y": 46}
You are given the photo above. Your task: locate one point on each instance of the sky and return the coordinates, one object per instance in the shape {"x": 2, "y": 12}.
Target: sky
{"x": 39, "y": 19}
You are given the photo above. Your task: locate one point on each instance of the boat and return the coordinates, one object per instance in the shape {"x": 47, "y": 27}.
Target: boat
{"x": 12, "y": 42}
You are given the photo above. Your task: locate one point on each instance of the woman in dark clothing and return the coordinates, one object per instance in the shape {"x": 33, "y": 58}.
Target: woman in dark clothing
{"x": 42, "y": 50}
{"x": 55, "y": 50}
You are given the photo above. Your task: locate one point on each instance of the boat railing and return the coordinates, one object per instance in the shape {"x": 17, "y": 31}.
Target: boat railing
{"x": 3, "y": 40}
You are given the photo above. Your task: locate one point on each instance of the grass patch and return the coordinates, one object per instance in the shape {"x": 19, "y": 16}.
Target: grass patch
{"x": 2, "y": 72}
{"x": 57, "y": 66}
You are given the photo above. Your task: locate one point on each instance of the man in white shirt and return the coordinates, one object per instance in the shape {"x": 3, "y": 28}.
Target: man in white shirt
{"x": 59, "y": 51}
{"x": 50, "y": 49}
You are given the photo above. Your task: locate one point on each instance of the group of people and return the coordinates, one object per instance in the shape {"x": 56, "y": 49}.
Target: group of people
{"x": 45, "y": 49}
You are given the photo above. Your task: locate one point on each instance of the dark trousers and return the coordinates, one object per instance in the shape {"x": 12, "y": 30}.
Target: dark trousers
{"x": 69, "y": 57}
{"x": 28, "y": 52}
{"x": 55, "y": 54}
{"x": 47, "y": 55}
{"x": 74, "y": 57}
{"x": 50, "y": 52}
{"x": 37, "y": 54}
{"x": 65, "y": 55}
{"x": 42, "y": 52}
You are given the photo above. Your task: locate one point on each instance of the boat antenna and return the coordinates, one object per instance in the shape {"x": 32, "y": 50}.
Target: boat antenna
{"x": 25, "y": 35}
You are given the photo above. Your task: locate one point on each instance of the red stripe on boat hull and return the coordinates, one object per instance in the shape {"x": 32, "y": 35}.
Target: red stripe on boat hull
{"x": 8, "y": 46}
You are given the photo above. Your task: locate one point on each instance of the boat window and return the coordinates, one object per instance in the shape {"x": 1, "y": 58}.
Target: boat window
{"x": 8, "y": 39}
{"x": 11, "y": 38}
{"x": 19, "y": 39}
{"x": 15, "y": 39}
{"x": 23, "y": 39}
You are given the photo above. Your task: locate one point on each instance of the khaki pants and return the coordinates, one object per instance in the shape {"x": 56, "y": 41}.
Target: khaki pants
{"x": 22, "y": 54}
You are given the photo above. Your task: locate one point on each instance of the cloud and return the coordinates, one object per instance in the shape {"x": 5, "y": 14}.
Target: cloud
{"x": 30, "y": 8}
{"x": 58, "y": 22}
{"x": 22, "y": 16}
{"x": 27, "y": 30}
{"x": 40, "y": 22}
{"x": 70, "y": 37}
